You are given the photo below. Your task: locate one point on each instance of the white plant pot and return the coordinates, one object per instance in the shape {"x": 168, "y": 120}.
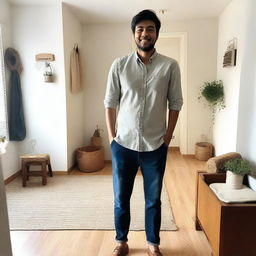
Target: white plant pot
{"x": 48, "y": 78}
{"x": 234, "y": 181}
{"x": 3, "y": 146}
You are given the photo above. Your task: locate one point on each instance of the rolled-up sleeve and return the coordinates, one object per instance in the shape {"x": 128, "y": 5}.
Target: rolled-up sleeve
{"x": 175, "y": 100}
{"x": 112, "y": 95}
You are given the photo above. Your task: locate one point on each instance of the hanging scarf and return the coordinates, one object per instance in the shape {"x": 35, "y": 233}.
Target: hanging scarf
{"x": 75, "y": 71}
{"x": 17, "y": 129}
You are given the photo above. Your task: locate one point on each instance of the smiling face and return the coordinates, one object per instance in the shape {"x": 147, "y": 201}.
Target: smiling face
{"x": 145, "y": 35}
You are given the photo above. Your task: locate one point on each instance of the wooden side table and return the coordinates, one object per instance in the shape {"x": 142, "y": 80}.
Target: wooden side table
{"x": 230, "y": 228}
{"x": 42, "y": 160}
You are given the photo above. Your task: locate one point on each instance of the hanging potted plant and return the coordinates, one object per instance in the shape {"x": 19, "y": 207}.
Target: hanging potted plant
{"x": 235, "y": 171}
{"x": 213, "y": 93}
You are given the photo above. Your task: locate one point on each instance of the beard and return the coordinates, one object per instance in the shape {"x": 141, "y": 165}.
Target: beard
{"x": 146, "y": 48}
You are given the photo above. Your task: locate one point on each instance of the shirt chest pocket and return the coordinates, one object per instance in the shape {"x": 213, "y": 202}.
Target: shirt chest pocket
{"x": 158, "y": 83}
{"x": 130, "y": 84}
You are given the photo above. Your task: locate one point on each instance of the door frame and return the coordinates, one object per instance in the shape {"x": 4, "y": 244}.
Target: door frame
{"x": 183, "y": 68}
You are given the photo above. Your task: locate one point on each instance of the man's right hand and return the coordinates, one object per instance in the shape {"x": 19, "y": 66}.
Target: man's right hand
{"x": 111, "y": 120}
{"x": 110, "y": 139}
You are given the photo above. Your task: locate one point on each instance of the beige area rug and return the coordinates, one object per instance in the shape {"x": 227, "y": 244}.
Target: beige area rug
{"x": 75, "y": 202}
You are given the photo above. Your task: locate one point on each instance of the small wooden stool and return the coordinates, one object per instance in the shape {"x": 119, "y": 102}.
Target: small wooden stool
{"x": 42, "y": 160}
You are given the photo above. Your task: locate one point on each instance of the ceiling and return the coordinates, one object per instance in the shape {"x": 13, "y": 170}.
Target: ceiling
{"x": 111, "y": 11}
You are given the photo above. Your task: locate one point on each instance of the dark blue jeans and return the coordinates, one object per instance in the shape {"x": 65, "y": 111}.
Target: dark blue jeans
{"x": 125, "y": 163}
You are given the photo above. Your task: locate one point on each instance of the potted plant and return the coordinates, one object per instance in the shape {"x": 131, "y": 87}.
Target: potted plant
{"x": 3, "y": 144}
{"x": 96, "y": 139}
{"x": 236, "y": 169}
{"x": 48, "y": 76}
{"x": 213, "y": 93}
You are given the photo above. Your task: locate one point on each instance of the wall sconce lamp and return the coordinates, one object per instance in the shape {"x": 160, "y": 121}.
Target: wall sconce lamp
{"x": 46, "y": 57}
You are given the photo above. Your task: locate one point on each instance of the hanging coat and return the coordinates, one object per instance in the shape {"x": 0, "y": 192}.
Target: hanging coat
{"x": 17, "y": 128}
{"x": 75, "y": 71}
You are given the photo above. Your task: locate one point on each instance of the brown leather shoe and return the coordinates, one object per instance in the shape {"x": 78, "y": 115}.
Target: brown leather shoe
{"x": 155, "y": 253}
{"x": 121, "y": 250}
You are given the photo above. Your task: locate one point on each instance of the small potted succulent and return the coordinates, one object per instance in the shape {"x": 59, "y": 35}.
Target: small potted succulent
{"x": 236, "y": 169}
{"x": 48, "y": 76}
{"x": 3, "y": 144}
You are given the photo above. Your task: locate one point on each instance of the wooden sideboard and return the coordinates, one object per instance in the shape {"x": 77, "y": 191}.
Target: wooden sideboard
{"x": 230, "y": 228}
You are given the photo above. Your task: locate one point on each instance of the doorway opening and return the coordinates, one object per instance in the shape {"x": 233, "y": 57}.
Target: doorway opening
{"x": 174, "y": 45}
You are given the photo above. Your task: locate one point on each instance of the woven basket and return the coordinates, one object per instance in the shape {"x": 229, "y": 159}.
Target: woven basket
{"x": 90, "y": 158}
{"x": 203, "y": 151}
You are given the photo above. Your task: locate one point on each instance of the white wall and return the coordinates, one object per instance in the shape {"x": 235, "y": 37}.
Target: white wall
{"x": 103, "y": 43}
{"x": 246, "y": 135}
{"x": 38, "y": 29}
{"x": 236, "y": 124}
{"x": 201, "y": 66}
{"x": 10, "y": 160}
{"x": 72, "y": 32}
{"x": 5, "y": 20}
{"x": 232, "y": 23}
{"x": 6, "y": 161}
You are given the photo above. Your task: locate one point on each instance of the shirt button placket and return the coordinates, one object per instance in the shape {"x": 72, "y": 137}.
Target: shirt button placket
{"x": 142, "y": 106}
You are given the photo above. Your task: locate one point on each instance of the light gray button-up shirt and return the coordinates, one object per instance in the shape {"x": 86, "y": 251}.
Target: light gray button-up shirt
{"x": 142, "y": 93}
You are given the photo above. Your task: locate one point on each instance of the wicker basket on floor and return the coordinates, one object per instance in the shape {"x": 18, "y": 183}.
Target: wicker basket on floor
{"x": 90, "y": 158}
{"x": 203, "y": 151}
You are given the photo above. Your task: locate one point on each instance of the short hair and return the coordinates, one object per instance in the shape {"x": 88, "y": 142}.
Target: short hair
{"x": 146, "y": 15}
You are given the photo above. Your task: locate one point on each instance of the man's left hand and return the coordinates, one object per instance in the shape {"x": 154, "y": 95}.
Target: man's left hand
{"x": 167, "y": 140}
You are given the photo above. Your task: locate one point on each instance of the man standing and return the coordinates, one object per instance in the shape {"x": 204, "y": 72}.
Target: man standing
{"x": 141, "y": 85}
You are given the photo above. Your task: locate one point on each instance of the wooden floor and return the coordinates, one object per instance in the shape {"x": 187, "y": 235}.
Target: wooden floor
{"x": 180, "y": 178}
